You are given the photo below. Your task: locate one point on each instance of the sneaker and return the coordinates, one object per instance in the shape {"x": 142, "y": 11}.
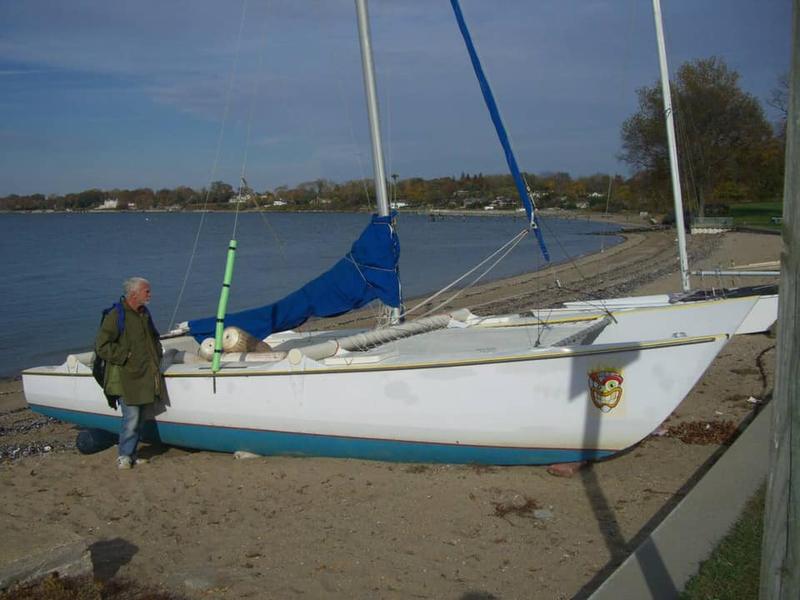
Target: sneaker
{"x": 124, "y": 462}
{"x": 140, "y": 461}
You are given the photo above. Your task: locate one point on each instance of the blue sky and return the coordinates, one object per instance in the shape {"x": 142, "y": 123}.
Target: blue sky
{"x": 132, "y": 94}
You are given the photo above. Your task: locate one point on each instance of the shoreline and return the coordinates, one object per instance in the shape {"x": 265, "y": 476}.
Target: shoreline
{"x": 619, "y": 218}
{"x": 639, "y": 259}
{"x": 490, "y": 279}
{"x": 200, "y": 523}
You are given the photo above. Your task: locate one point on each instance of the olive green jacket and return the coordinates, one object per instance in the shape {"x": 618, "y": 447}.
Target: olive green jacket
{"x": 133, "y": 358}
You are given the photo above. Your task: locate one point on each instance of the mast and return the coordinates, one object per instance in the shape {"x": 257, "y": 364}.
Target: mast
{"x": 368, "y": 70}
{"x": 372, "y": 108}
{"x": 673, "y": 152}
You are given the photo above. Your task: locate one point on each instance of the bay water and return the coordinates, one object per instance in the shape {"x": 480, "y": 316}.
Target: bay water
{"x": 60, "y": 270}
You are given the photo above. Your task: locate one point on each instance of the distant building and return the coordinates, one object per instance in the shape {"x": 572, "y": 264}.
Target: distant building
{"x": 109, "y": 204}
{"x": 279, "y": 203}
{"x": 398, "y": 204}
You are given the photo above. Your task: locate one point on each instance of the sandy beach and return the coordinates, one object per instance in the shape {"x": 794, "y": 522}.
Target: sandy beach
{"x": 206, "y": 525}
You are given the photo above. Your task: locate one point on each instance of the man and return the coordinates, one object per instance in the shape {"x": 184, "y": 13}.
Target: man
{"x": 133, "y": 356}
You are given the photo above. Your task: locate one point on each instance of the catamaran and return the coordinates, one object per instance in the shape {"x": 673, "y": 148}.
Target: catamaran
{"x": 451, "y": 387}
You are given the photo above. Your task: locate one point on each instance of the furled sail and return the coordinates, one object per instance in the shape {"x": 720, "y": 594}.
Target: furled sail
{"x": 494, "y": 112}
{"x": 368, "y": 272}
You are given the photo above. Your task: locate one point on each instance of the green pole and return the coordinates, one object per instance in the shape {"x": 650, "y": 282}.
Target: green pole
{"x": 223, "y": 304}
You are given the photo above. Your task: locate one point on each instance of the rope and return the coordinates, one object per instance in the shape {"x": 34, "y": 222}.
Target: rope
{"x": 271, "y": 229}
{"x": 505, "y": 249}
{"x": 254, "y": 197}
{"x": 214, "y": 166}
{"x": 354, "y": 140}
{"x": 234, "y": 71}
{"x": 387, "y": 145}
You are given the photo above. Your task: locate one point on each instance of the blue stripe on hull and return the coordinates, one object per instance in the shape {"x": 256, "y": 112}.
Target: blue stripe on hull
{"x": 231, "y": 439}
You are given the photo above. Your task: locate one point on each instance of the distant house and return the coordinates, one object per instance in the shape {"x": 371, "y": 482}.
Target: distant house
{"x": 109, "y": 204}
{"x": 131, "y": 205}
{"x": 398, "y": 204}
{"x": 279, "y": 203}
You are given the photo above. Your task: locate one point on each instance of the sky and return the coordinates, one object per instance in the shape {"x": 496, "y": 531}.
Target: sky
{"x": 99, "y": 94}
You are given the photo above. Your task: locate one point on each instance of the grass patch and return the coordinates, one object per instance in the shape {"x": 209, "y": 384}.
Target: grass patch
{"x": 757, "y": 214}
{"x": 732, "y": 571}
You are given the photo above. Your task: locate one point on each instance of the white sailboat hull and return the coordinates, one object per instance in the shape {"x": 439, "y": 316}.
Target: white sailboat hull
{"x": 761, "y": 317}
{"x": 524, "y": 409}
{"x": 498, "y": 399}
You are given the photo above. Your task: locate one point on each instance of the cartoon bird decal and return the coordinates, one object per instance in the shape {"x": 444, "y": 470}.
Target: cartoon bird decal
{"x": 605, "y": 387}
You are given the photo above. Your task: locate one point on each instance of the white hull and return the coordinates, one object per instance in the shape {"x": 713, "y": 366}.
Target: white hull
{"x": 760, "y": 318}
{"x": 518, "y": 409}
{"x": 481, "y": 393}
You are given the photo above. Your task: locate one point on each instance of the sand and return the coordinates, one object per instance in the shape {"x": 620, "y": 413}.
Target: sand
{"x": 209, "y": 526}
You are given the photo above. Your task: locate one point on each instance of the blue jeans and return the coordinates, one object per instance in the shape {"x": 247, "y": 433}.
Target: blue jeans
{"x": 131, "y": 428}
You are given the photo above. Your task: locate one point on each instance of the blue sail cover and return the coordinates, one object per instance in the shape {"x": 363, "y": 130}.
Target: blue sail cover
{"x": 368, "y": 272}
{"x": 494, "y": 112}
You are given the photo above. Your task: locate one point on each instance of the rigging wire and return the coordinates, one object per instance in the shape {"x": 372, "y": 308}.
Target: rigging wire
{"x": 621, "y": 88}
{"x": 602, "y": 306}
{"x": 254, "y": 95}
{"x": 475, "y": 281}
{"x": 684, "y": 123}
{"x": 359, "y": 157}
{"x": 504, "y": 249}
{"x": 214, "y": 166}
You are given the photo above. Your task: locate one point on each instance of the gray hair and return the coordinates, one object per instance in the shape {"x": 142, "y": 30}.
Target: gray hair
{"x": 132, "y": 284}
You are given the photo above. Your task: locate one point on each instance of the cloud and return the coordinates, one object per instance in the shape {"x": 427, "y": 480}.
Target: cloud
{"x": 157, "y": 75}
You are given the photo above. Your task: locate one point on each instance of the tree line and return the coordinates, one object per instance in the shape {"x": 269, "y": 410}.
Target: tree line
{"x": 467, "y": 191}
{"x": 729, "y": 153}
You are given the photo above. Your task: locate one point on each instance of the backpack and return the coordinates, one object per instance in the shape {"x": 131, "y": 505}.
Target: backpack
{"x": 99, "y": 364}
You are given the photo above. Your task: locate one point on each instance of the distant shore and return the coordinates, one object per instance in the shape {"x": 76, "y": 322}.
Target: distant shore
{"x": 625, "y": 217}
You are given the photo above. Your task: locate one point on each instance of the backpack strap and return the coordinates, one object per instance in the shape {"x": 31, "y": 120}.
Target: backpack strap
{"x": 120, "y": 316}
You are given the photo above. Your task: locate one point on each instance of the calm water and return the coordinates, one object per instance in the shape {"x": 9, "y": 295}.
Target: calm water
{"x": 61, "y": 270}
